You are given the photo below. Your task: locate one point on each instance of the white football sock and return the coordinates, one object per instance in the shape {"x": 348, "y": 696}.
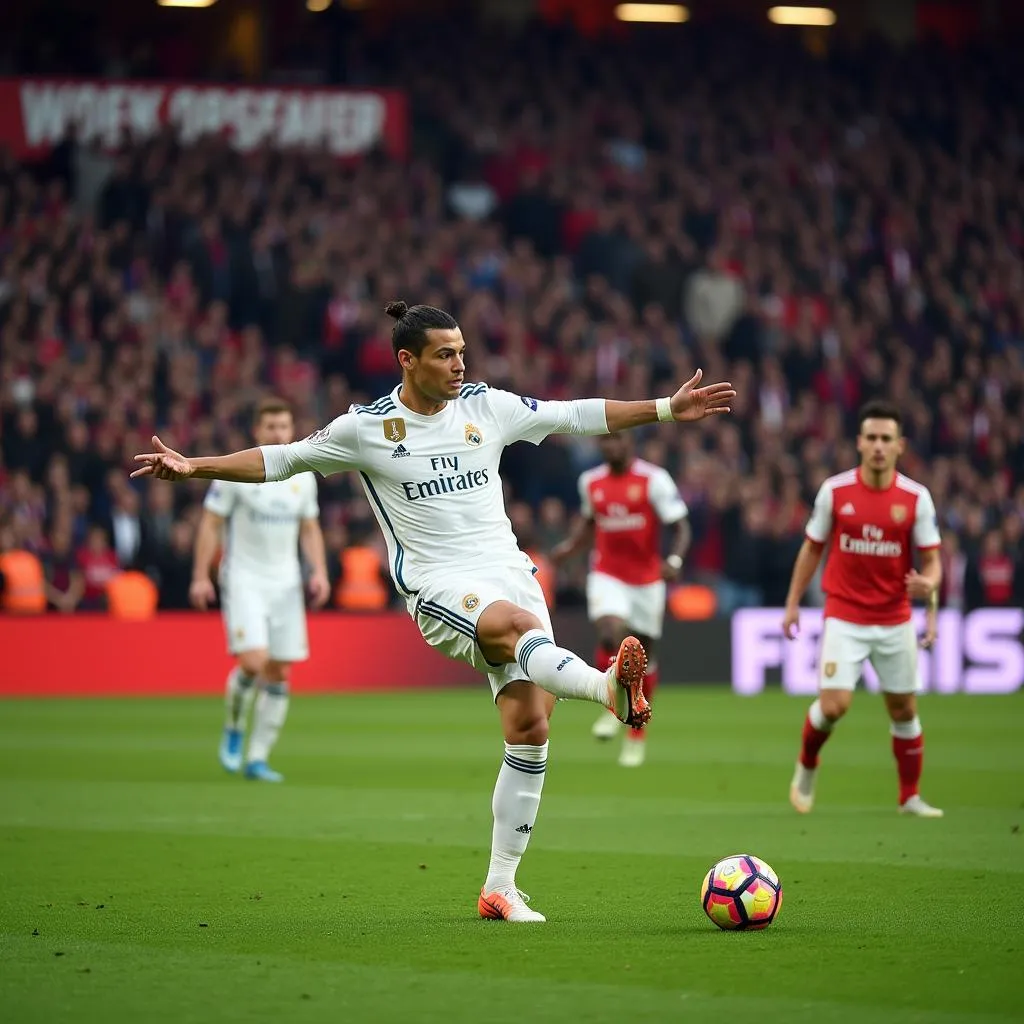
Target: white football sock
{"x": 818, "y": 719}
{"x": 238, "y": 695}
{"x": 559, "y": 671}
{"x": 515, "y": 805}
{"x": 906, "y": 730}
{"x": 271, "y": 711}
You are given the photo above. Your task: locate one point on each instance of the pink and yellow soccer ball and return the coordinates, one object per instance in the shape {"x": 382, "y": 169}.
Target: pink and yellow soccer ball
{"x": 741, "y": 892}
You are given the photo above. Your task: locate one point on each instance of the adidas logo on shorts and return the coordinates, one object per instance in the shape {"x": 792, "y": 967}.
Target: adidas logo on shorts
{"x": 400, "y": 452}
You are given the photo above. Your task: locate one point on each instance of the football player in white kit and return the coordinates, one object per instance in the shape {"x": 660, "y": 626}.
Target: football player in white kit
{"x": 428, "y": 455}
{"x": 262, "y": 526}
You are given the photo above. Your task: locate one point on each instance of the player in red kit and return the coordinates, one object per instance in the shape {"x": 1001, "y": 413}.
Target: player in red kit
{"x": 872, "y": 518}
{"x": 623, "y": 504}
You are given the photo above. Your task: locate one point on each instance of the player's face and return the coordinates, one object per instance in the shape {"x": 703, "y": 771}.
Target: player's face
{"x": 614, "y": 449}
{"x": 880, "y": 444}
{"x": 275, "y": 428}
{"x": 440, "y": 369}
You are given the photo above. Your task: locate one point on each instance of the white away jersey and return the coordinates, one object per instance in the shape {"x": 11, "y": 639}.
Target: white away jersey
{"x": 263, "y": 521}
{"x": 433, "y": 480}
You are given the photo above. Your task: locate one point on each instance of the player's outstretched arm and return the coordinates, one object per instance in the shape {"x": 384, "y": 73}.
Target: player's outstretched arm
{"x": 689, "y": 404}
{"x": 166, "y": 464}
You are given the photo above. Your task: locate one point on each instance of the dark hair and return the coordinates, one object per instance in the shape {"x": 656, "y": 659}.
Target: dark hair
{"x": 879, "y": 409}
{"x": 412, "y": 324}
{"x": 268, "y": 406}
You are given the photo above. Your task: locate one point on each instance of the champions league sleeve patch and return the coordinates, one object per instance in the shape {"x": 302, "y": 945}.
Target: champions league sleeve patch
{"x": 320, "y": 436}
{"x": 530, "y": 403}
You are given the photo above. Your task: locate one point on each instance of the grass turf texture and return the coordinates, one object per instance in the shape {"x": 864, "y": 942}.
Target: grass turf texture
{"x": 137, "y": 881}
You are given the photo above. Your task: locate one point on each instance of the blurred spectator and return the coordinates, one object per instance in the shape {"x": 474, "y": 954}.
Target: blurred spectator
{"x": 172, "y": 567}
{"x": 991, "y": 574}
{"x": 818, "y": 232}
{"x": 98, "y": 565}
{"x": 65, "y": 582}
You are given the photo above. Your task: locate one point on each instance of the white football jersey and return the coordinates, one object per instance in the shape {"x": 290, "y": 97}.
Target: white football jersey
{"x": 262, "y": 532}
{"x": 433, "y": 480}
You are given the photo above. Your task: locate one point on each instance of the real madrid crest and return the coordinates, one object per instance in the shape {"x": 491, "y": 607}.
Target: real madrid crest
{"x": 899, "y": 513}
{"x": 394, "y": 429}
{"x": 473, "y": 435}
{"x": 830, "y": 669}
{"x": 469, "y": 602}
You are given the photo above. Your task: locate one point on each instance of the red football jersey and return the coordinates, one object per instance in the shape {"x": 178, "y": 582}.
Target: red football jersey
{"x": 627, "y": 510}
{"x": 871, "y": 536}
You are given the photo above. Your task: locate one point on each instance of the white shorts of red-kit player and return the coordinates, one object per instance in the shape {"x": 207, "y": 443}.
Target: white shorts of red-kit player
{"x": 641, "y": 607}
{"x": 891, "y": 651}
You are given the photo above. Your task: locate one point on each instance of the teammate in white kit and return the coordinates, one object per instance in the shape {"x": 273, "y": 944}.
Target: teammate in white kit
{"x": 262, "y": 526}
{"x": 873, "y": 519}
{"x": 428, "y": 456}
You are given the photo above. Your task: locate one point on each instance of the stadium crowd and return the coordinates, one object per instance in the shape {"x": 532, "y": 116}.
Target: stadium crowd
{"x": 601, "y": 218}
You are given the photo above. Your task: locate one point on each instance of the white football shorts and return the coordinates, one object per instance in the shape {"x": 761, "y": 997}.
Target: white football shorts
{"x": 447, "y": 613}
{"x": 891, "y": 650}
{"x": 642, "y": 608}
{"x": 262, "y": 616}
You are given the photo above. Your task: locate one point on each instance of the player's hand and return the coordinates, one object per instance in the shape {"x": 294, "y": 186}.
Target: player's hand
{"x": 791, "y": 623}
{"x": 918, "y": 587}
{"x": 319, "y": 589}
{"x": 201, "y": 593}
{"x": 670, "y": 572}
{"x": 164, "y": 463}
{"x": 931, "y": 632}
{"x": 691, "y": 402}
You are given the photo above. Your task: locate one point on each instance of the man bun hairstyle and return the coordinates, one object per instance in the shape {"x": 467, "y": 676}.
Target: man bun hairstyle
{"x": 412, "y": 324}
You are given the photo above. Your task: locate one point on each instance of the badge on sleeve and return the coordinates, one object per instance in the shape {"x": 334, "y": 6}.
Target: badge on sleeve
{"x": 530, "y": 403}
{"x": 320, "y": 436}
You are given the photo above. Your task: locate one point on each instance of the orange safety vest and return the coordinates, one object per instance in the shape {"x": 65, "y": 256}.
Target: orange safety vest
{"x": 24, "y": 590}
{"x": 360, "y": 587}
{"x": 133, "y": 596}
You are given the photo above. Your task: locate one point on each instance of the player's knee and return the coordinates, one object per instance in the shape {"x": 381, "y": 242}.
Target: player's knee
{"x": 834, "y": 703}
{"x": 902, "y": 707}
{"x": 531, "y": 729}
{"x": 521, "y": 621}
{"x": 253, "y": 663}
{"x": 611, "y": 632}
{"x": 276, "y": 672}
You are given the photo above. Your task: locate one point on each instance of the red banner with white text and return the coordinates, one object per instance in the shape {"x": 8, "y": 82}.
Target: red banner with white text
{"x": 183, "y": 653}
{"x": 37, "y": 113}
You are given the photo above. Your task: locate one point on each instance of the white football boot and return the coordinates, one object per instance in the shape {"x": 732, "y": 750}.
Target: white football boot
{"x": 801, "y": 789}
{"x": 607, "y": 727}
{"x": 916, "y": 806}
{"x": 507, "y": 904}
{"x": 633, "y": 752}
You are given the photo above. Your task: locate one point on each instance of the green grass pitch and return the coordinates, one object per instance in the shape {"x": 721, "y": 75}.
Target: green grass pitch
{"x": 138, "y": 882}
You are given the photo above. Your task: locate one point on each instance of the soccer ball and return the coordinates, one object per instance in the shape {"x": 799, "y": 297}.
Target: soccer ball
{"x": 741, "y": 891}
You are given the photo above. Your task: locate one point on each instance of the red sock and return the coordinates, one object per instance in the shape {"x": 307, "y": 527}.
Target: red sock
{"x": 813, "y": 741}
{"x": 604, "y": 656}
{"x": 909, "y": 756}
